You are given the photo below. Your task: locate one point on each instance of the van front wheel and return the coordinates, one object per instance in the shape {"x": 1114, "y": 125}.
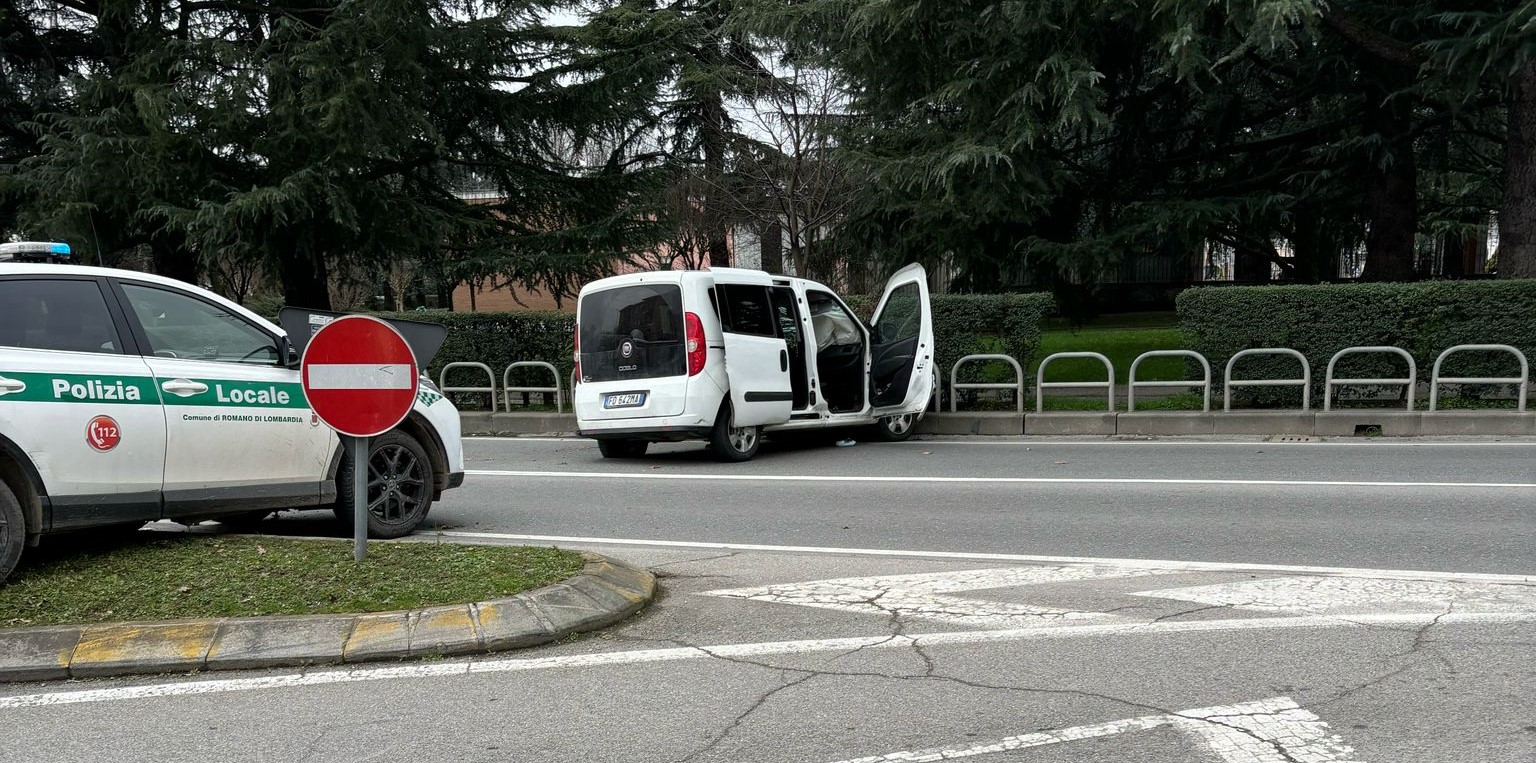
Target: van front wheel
{"x": 732, "y": 443}
{"x": 896, "y": 428}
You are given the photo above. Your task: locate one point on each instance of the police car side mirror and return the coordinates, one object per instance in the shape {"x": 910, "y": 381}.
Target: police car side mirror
{"x": 288, "y": 357}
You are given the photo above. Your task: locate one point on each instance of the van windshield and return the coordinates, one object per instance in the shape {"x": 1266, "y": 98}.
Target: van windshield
{"x": 632, "y": 332}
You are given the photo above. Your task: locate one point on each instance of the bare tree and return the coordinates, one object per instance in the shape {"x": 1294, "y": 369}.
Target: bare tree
{"x": 789, "y": 177}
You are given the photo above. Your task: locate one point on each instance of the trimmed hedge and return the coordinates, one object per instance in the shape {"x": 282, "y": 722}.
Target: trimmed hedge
{"x": 970, "y": 324}
{"x": 963, "y": 324}
{"x": 498, "y": 340}
{"x": 1422, "y": 318}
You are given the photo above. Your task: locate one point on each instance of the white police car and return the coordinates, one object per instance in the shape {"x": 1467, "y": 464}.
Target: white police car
{"x": 127, "y": 398}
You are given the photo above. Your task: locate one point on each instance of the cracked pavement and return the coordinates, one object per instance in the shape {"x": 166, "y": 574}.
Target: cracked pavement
{"x": 781, "y": 655}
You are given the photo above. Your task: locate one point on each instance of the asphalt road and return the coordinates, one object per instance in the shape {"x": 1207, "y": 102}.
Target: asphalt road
{"x": 1201, "y": 641}
{"x": 1435, "y": 511}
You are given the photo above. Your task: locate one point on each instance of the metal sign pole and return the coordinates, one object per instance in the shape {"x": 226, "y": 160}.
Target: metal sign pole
{"x": 357, "y": 448}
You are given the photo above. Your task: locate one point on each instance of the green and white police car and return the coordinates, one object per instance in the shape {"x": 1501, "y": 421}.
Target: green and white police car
{"x": 127, "y": 398}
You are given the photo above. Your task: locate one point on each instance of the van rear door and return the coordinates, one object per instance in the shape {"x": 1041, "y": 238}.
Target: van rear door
{"x": 634, "y": 360}
{"x": 901, "y": 373}
{"x": 756, "y": 357}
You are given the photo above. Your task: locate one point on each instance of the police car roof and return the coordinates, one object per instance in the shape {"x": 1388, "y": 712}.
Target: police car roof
{"x": 37, "y": 269}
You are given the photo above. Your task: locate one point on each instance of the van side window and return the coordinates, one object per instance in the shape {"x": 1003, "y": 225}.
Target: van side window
{"x": 746, "y": 310}
{"x": 63, "y": 314}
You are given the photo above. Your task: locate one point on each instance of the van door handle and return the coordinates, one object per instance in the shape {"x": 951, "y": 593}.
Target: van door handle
{"x": 184, "y": 387}
{"x": 7, "y": 386}
{"x": 783, "y": 360}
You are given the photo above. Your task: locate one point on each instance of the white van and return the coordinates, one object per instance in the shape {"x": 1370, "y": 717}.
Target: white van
{"x": 725, "y": 354}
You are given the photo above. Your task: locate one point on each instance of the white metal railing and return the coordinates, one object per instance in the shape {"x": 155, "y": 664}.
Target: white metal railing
{"x": 490, "y": 376}
{"x": 507, "y": 389}
{"x": 1132, "y": 384}
{"x": 1305, "y": 382}
{"x": 1041, "y": 384}
{"x": 1435, "y": 380}
{"x": 1329, "y": 382}
{"x": 1017, "y": 386}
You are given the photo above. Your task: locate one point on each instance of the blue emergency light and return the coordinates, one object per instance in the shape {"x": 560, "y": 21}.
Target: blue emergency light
{"x": 35, "y": 251}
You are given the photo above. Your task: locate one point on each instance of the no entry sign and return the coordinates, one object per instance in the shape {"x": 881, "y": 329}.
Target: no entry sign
{"x": 359, "y": 376}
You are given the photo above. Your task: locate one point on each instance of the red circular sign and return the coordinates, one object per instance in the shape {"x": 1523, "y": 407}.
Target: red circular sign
{"x": 103, "y": 434}
{"x": 359, "y": 375}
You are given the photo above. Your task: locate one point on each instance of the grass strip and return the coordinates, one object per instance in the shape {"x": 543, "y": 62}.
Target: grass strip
{"x": 130, "y": 577}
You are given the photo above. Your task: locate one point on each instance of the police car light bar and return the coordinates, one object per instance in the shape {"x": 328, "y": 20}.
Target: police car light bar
{"x": 34, "y": 251}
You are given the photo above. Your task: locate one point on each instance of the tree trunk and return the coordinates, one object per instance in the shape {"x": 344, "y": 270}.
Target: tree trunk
{"x": 1391, "y": 193}
{"x": 1517, "y": 215}
{"x": 714, "y": 171}
{"x": 306, "y": 279}
{"x": 1249, "y": 265}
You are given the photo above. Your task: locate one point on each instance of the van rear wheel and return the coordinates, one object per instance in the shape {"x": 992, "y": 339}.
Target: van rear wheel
{"x": 622, "y": 448}
{"x": 732, "y": 443}
{"x": 13, "y": 531}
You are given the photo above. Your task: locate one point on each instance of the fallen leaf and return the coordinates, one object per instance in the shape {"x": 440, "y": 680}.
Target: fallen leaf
{"x": 1060, "y": 462}
{"x": 184, "y": 589}
{"x": 260, "y": 550}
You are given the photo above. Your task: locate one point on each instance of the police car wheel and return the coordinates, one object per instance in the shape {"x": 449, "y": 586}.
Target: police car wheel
{"x": 729, "y": 442}
{"x": 13, "y": 531}
{"x": 399, "y": 486}
{"x": 622, "y": 448}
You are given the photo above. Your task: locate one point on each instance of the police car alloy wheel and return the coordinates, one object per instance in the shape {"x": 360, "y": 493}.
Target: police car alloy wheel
{"x": 399, "y": 486}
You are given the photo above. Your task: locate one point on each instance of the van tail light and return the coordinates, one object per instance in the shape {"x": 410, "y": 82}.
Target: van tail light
{"x": 576, "y": 343}
{"x": 694, "y": 331}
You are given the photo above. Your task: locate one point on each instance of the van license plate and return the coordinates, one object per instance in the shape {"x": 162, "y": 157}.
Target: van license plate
{"x": 624, "y": 400}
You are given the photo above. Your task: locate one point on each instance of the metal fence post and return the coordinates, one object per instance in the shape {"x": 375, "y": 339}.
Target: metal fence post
{"x": 1017, "y": 386}
{"x": 1329, "y": 382}
{"x": 1523, "y": 380}
{"x": 1305, "y": 382}
{"x": 1132, "y": 384}
{"x": 1041, "y": 384}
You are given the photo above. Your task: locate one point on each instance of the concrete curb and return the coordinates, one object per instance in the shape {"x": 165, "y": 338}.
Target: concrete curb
{"x": 1340, "y": 423}
{"x": 605, "y": 592}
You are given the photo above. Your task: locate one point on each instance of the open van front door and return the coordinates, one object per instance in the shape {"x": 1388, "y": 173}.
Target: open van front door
{"x": 901, "y": 370}
{"x": 756, "y": 355}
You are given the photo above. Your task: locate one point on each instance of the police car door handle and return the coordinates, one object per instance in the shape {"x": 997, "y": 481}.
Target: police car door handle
{"x": 184, "y": 387}
{"x": 11, "y": 385}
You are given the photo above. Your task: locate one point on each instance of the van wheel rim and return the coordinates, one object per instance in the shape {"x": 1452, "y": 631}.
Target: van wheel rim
{"x": 743, "y": 438}
{"x": 899, "y": 425}
{"x": 397, "y": 485}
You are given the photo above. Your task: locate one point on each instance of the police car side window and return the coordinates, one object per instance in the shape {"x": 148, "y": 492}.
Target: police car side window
{"x": 61, "y": 314}
{"x": 179, "y": 326}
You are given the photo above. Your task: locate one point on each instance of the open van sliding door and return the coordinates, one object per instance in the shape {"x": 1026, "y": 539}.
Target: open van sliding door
{"x": 901, "y": 372}
{"x": 756, "y": 358}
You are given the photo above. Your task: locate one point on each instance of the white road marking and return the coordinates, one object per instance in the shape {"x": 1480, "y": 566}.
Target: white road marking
{"x": 803, "y": 478}
{"x": 1044, "y": 441}
{"x": 1159, "y": 564}
{"x": 1316, "y": 595}
{"x": 1274, "y": 730}
{"x": 477, "y": 666}
{"x": 360, "y": 376}
{"x": 920, "y": 595}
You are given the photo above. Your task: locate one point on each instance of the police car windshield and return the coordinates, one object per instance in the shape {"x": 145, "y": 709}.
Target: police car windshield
{"x": 632, "y": 332}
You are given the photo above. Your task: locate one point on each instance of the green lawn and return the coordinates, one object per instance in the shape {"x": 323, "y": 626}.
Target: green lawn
{"x": 1120, "y": 343}
{"x": 128, "y": 577}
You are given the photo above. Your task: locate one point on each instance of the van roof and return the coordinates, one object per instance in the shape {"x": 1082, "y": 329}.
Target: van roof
{"x": 683, "y": 276}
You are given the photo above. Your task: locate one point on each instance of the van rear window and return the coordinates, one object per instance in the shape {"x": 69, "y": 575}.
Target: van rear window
{"x": 632, "y": 332}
